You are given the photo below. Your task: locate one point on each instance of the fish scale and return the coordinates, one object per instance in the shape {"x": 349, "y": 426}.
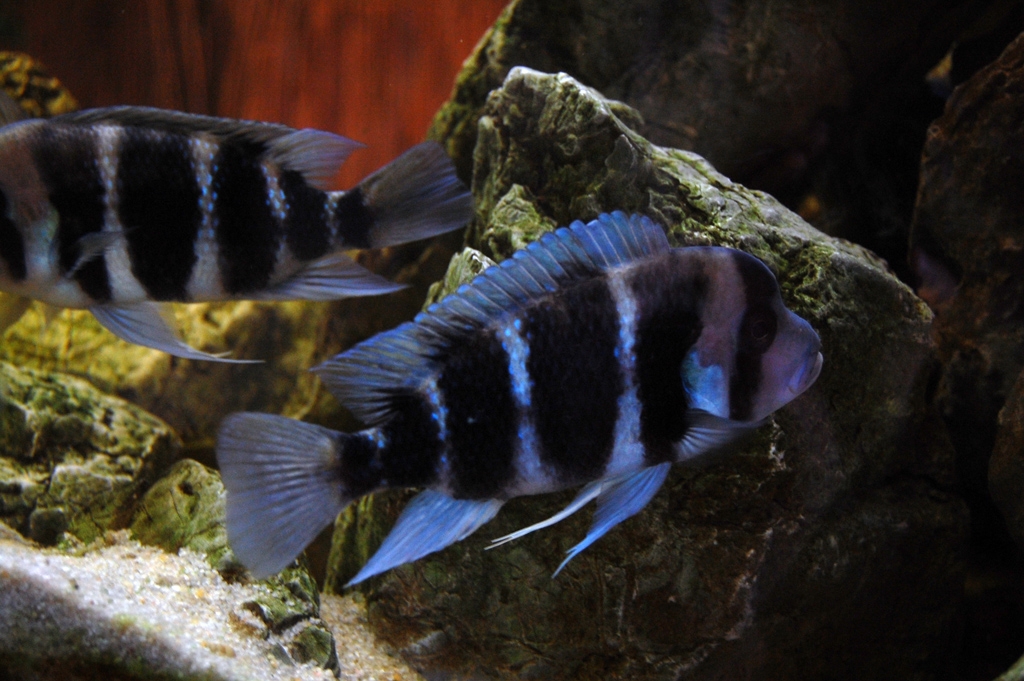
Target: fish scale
{"x": 117, "y": 209}
{"x": 597, "y": 356}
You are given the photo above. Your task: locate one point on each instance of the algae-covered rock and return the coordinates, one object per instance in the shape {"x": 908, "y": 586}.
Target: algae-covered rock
{"x": 28, "y": 83}
{"x": 71, "y": 458}
{"x": 185, "y": 510}
{"x": 1014, "y": 673}
{"x": 290, "y": 608}
{"x": 828, "y": 546}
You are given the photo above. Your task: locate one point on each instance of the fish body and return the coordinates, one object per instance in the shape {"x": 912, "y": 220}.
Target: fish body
{"x": 598, "y": 356}
{"x": 116, "y": 209}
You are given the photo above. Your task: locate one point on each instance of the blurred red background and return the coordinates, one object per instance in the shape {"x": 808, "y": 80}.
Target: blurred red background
{"x": 373, "y": 70}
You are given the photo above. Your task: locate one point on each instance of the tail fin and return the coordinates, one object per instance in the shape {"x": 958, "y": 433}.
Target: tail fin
{"x": 416, "y": 196}
{"x": 283, "y": 480}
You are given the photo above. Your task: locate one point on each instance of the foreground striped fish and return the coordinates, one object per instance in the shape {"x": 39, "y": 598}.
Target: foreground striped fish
{"x": 115, "y": 209}
{"x": 598, "y": 356}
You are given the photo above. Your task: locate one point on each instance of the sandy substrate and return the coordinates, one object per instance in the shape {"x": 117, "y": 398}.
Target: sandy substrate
{"x": 145, "y": 611}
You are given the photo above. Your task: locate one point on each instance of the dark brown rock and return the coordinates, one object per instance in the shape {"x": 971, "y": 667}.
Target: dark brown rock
{"x": 969, "y": 229}
{"x": 756, "y": 87}
{"x": 1006, "y": 468}
{"x": 828, "y": 547}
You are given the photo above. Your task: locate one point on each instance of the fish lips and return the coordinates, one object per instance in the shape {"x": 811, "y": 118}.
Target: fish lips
{"x": 808, "y": 374}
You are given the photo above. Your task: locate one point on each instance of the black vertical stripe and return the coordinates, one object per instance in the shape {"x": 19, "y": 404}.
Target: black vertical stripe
{"x": 354, "y": 219}
{"x": 668, "y": 325}
{"x": 576, "y": 378}
{"x": 159, "y": 209}
{"x": 305, "y": 226}
{"x": 757, "y": 332}
{"x": 413, "y": 444}
{"x": 12, "y": 246}
{"x": 67, "y": 162}
{"x": 476, "y": 388}
{"x": 360, "y": 466}
{"x": 248, "y": 233}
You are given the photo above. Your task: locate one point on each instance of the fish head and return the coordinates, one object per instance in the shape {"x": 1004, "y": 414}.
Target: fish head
{"x": 753, "y": 355}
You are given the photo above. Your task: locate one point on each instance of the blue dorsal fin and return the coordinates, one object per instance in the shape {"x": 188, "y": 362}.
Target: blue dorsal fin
{"x": 366, "y": 377}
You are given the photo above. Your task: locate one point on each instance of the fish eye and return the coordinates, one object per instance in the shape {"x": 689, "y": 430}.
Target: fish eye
{"x": 760, "y": 329}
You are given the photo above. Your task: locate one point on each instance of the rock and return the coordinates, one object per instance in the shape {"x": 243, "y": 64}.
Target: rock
{"x": 1015, "y": 673}
{"x": 759, "y": 88}
{"x": 823, "y": 104}
{"x": 968, "y": 233}
{"x": 29, "y": 83}
{"x": 1006, "y": 468}
{"x": 71, "y": 458}
{"x": 780, "y": 561}
{"x": 185, "y": 510}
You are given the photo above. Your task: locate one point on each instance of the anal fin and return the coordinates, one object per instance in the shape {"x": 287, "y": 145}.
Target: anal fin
{"x": 331, "y": 277}
{"x": 143, "y": 324}
{"x": 618, "y": 501}
{"x": 429, "y": 523}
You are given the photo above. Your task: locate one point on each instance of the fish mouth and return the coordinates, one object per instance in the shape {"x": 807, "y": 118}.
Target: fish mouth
{"x": 807, "y": 375}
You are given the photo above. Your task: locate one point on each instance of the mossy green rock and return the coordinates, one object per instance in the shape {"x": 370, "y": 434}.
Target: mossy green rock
{"x": 185, "y": 509}
{"x": 71, "y": 458}
{"x": 827, "y": 547}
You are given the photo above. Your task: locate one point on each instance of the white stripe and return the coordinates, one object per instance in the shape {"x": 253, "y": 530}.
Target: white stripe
{"x": 532, "y": 475}
{"x": 205, "y": 282}
{"x": 124, "y": 287}
{"x": 285, "y": 263}
{"x": 439, "y": 412}
{"x": 380, "y": 441}
{"x": 331, "y": 206}
{"x": 628, "y": 452}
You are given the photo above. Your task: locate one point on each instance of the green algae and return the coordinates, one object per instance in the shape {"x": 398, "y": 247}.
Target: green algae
{"x": 73, "y": 459}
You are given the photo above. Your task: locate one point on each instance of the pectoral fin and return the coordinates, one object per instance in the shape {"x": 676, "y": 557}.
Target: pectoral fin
{"x": 429, "y": 523}
{"x": 706, "y": 433}
{"x": 618, "y": 501}
{"x": 143, "y": 324}
{"x": 92, "y": 245}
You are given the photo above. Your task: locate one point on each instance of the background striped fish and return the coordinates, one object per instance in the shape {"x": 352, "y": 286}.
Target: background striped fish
{"x": 117, "y": 209}
{"x": 597, "y": 356}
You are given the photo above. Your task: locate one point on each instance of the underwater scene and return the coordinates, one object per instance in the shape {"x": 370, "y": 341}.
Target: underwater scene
{"x": 582, "y": 340}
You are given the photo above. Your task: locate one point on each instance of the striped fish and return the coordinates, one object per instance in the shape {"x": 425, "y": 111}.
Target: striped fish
{"x": 116, "y": 210}
{"x": 597, "y": 356}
